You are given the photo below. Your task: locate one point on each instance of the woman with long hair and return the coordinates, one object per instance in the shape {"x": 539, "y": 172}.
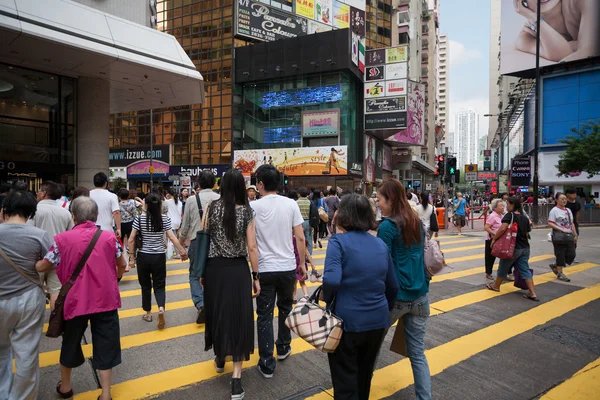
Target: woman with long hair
{"x": 404, "y": 234}
{"x": 151, "y": 257}
{"x": 520, "y": 258}
{"x": 424, "y": 211}
{"x": 561, "y": 220}
{"x": 228, "y": 283}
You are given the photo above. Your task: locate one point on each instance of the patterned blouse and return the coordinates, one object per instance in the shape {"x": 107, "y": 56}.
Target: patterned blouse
{"x": 220, "y": 245}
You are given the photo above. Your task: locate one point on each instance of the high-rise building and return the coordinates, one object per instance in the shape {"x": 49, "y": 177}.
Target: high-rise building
{"x": 443, "y": 81}
{"x": 466, "y": 137}
{"x": 379, "y": 23}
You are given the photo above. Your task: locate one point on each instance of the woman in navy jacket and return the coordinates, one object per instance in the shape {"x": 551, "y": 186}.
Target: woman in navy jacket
{"x": 359, "y": 274}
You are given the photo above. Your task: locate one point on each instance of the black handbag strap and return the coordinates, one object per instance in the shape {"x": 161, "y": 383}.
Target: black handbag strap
{"x": 199, "y": 205}
{"x": 86, "y": 255}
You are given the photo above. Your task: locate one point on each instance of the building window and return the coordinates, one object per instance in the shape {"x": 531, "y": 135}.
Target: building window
{"x": 403, "y": 38}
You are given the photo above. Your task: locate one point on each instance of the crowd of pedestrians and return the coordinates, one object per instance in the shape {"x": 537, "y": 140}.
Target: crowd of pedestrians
{"x": 260, "y": 248}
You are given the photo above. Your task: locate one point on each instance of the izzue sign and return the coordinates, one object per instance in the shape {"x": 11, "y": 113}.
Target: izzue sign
{"x": 385, "y": 105}
{"x": 260, "y": 22}
{"x": 392, "y": 120}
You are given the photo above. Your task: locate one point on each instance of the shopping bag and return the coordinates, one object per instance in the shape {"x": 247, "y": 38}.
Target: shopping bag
{"x": 399, "y": 340}
{"x": 519, "y": 281}
{"x": 504, "y": 247}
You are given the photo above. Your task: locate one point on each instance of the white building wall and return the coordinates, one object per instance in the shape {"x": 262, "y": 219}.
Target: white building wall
{"x": 137, "y": 11}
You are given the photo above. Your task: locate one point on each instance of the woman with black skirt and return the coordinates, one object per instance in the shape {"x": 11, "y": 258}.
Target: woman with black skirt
{"x": 229, "y": 329}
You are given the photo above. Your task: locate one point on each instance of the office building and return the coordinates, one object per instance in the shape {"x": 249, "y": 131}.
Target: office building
{"x": 466, "y": 137}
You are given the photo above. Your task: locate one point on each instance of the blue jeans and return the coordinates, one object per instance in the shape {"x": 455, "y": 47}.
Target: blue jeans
{"x": 308, "y": 236}
{"x": 414, "y": 314}
{"x": 195, "y": 287}
{"x": 521, "y": 262}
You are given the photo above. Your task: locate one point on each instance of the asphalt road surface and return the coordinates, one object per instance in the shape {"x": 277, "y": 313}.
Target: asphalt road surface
{"x": 480, "y": 344}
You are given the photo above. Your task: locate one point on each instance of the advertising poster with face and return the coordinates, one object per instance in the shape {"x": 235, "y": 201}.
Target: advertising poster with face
{"x": 370, "y": 158}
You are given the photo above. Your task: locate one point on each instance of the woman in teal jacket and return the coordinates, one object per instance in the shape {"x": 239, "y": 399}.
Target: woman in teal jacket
{"x": 404, "y": 234}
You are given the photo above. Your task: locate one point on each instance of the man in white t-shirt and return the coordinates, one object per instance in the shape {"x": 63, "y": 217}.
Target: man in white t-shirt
{"x": 109, "y": 214}
{"x": 277, "y": 219}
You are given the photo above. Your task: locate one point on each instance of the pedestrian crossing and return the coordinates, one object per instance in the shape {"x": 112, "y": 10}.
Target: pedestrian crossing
{"x": 458, "y": 293}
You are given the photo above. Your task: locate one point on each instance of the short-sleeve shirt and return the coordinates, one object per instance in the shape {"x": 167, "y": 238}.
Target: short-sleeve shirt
{"x": 152, "y": 242}
{"x": 220, "y": 245}
{"x": 275, "y": 218}
{"x": 460, "y": 207}
{"x": 107, "y": 203}
{"x": 524, "y": 227}
{"x": 494, "y": 220}
{"x": 30, "y": 245}
{"x": 561, "y": 217}
{"x": 127, "y": 209}
{"x": 574, "y": 207}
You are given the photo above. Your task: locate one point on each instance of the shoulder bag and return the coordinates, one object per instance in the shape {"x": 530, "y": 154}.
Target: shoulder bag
{"x": 433, "y": 222}
{"x": 504, "y": 248}
{"x": 198, "y": 267}
{"x": 560, "y": 237}
{"x": 434, "y": 258}
{"x": 19, "y": 270}
{"x": 315, "y": 324}
{"x": 314, "y": 217}
{"x": 138, "y": 236}
{"x": 56, "y": 325}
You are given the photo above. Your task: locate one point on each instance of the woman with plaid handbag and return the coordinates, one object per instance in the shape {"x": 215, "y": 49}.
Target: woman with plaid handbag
{"x": 359, "y": 275}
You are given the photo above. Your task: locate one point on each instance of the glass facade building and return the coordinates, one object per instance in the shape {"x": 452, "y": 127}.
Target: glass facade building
{"x": 379, "y": 23}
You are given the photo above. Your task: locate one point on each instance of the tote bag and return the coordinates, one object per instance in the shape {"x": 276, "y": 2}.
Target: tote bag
{"x": 202, "y": 244}
{"x": 504, "y": 248}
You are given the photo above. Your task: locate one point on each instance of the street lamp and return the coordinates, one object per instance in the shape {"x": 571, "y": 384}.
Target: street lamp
{"x": 536, "y": 152}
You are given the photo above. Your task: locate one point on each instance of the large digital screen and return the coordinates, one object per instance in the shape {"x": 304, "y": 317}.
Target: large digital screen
{"x": 286, "y": 134}
{"x": 570, "y": 30}
{"x": 301, "y": 97}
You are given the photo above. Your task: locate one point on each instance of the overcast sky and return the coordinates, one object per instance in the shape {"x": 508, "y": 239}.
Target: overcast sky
{"x": 467, "y": 24}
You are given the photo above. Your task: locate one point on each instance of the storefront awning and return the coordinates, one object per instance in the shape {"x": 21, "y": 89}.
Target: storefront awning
{"x": 421, "y": 165}
{"x": 146, "y": 68}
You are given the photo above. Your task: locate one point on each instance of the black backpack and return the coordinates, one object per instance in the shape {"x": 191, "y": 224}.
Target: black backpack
{"x": 314, "y": 218}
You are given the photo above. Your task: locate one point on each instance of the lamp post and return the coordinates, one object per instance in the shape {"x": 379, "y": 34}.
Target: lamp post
{"x": 536, "y": 152}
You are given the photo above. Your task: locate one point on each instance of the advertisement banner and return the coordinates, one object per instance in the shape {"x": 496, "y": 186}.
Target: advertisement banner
{"x": 573, "y": 35}
{"x": 375, "y": 89}
{"x": 305, "y": 8}
{"x": 413, "y": 134}
{"x": 385, "y": 104}
{"x": 375, "y": 57}
{"x": 375, "y": 73}
{"x": 357, "y": 21}
{"x": 396, "y": 87}
{"x": 141, "y": 169}
{"x": 396, "y": 71}
{"x": 324, "y": 11}
{"x": 359, "y": 4}
{"x": 341, "y": 15}
{"x": 354, "y": 49}
{"x": 299, "y": 161}
{"x": 126, "y": 156}
{"x": 370, "y": 156}
{"x": 387, "y": 158}
{"x": 195, "y": 170}
{"x": 361, "y": 54}
{"x": 520, "y": 172}
{"x": 321, "y": 123}
{"x": 487, "y": 175}
{"x": 378, "y": 160}
{"x": 396, "y": 54}
{"x": 260, "y": 22}
{"x": 317, "y": 27}
{"x": 394, "y": 120}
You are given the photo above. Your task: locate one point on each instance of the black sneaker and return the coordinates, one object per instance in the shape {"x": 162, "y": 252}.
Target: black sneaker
{"x": 237, "y": 390}
{"x": 219, "y": 365}
{"x": 201, "y": 318}
{"x": 284, "y": 353}
{"x": 264, "y": 372}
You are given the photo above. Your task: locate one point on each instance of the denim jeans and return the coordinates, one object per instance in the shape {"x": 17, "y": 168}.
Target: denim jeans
{"x": 273, "y": 285}
{"x": 308, "y": 236}
{"x": 195, "y": 287}
{"x": 22, "y": 321}
{"x": 414, "y": 314}
{"x": 521, "y": 262}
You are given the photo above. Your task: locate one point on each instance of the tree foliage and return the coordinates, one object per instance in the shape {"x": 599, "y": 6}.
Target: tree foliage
{"x": 119, "y": 183}
{"x": 582, "y": 153}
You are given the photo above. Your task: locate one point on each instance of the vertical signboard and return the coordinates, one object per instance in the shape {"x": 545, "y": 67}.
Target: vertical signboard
{"x": 520, "y": 172}
{"x": 414, "y": 133}
{"x": 370, "y": 157}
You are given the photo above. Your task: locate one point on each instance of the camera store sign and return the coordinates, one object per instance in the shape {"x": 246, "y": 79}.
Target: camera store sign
{"x": 387, "y": 104}
{"x": 260, "y": 22}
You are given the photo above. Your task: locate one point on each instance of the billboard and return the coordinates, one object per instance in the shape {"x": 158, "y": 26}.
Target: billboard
{"x": 126, "y": 156}
{"x": 375, "y": 73}
{"x": 260, "y": 22}
{"x": 305, "y": 8}
{"x": 572, "y": 32}
{"x": 375, "y": 57}
{"x": 321, "y": 123}
{"x": 375, "y": 89}
{"x": 396, "y": 71}
{"x": 369, "y": 165}
{"x": 384, "y": 105}
{"x": 390, "y": 120}
{"x": 415, "y": 124}
{"x": 395, "y": 87}
{"x": 396, "y": 54}
{"x": 299, "y": 161}
{"x": 324, "y": 11}
{"x": 341, "y": 15}
{"x": 520, "y": 172}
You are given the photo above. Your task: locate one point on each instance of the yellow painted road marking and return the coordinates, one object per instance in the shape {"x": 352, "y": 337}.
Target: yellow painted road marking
{"x": 395, "y": 377}
{"x": 457, "y": 249}
{"x": 584, "y": 385}
{"x": 461, "y": 241}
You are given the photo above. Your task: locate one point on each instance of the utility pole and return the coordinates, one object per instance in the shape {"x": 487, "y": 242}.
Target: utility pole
{"x": 444, "y": 186}
{"x": 151, "y": 150}
{"x": 536, "y": 153}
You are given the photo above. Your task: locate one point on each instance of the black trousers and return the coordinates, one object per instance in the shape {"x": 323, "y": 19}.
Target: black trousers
{"x": 152, "y": 274}
{"x": 273, "y": 285}
{"x": 565, "y": 253}
{"x": 489, "y": 258}
{"x": 353, "y": 363}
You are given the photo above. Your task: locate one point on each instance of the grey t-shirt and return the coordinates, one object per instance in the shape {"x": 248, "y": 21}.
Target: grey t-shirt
{"x": 24, "y": 245}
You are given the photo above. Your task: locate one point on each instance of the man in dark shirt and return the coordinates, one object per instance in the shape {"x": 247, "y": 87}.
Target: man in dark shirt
{"x": 574, "y": 206}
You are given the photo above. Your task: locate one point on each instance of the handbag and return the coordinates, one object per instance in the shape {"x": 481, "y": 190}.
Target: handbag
{"x": 434, "y": 258}
{"x": 323, "y": 214}
{"x": 504, "y": 248}
{"x": 19, "y": 270}
{"x": 138, "y": 236}
{"x": 519, "y": 281}
{"x": 315, "y": 324}
{"x": 560, "y": 237}
{"x": 56, "y": 325}
{"x": 433, "y": 222}
{"x": 198, "y": 267}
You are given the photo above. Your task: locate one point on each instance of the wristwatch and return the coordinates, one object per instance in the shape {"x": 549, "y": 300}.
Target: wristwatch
{"x": 254, "y": 275}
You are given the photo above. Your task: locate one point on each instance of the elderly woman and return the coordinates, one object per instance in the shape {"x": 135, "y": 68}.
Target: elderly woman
{"x": 22, "y": 301}
{"x": 359, "y": 275}
{"x": 492, "y": 224}
{"x": 94, "y": 297}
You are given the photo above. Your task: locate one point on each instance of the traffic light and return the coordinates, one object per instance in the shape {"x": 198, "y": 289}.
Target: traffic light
{"x": 439, "y": 165}
{"x": 457, "y": 176}
{"x": 286, "y": 180}
{"x": 409, "y": 184}
{"x": 451, "y": 162}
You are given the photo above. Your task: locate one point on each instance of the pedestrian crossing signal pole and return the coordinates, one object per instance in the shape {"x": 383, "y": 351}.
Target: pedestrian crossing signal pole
{"x": 151, "y": 169}
{"x": 536, "y": 153}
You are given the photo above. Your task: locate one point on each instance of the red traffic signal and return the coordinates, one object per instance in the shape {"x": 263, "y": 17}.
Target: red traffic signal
{"x": 440, "y": 158}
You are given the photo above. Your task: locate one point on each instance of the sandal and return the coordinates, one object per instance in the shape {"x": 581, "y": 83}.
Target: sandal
{"x": 161, "y": 320}
{"x": 62, "y": 395}
{"x": 489, "y": 286}
{"x": 528, "y": 297}
{"x": 147, "y": 318}
{"x": 490, "y": 277}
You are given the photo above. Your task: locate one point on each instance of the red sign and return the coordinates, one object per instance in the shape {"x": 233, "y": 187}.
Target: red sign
{"x": 487, "y": 175}
{"x": 494, "y": 187}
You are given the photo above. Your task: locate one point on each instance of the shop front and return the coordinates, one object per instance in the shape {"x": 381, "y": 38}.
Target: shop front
{"x": 187, "y": 175}
{"x": 133, "y": 164}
